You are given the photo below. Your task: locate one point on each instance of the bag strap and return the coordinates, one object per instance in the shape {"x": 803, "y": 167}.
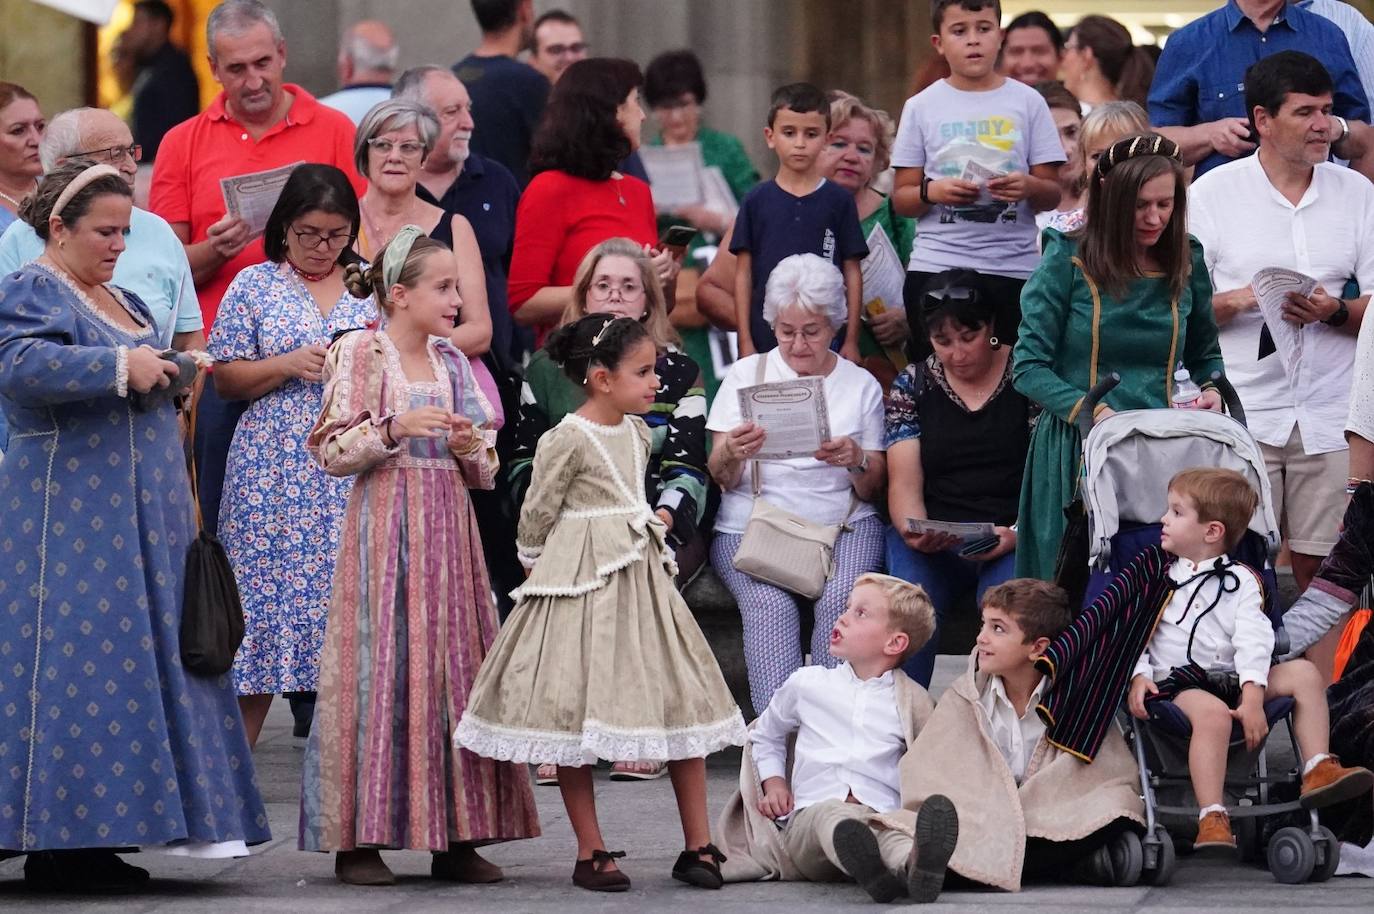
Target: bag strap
{"x": 759, "y": 375}
{"x": 191, "y": 437}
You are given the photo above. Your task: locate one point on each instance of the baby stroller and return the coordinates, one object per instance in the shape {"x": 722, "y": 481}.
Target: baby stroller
{"x": 1128, "y": 461}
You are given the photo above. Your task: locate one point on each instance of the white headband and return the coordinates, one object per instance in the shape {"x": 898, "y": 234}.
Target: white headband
{"x": 79, "y": 183}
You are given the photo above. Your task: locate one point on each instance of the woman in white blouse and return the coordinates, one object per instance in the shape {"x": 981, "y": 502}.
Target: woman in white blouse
{"x": 804, "y": 303}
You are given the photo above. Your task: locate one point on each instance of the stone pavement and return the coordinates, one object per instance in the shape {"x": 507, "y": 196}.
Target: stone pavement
{"x": 636, "y": 817}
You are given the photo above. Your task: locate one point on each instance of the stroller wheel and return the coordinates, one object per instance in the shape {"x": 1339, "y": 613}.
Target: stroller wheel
{"x": 1292, "y": 855}
{"x": 1160, "y": 869}
{"x": 1329, "y": 856}
{"x": 1128, "y": 859}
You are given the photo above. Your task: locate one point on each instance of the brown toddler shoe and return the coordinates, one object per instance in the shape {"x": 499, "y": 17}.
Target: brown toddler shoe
{"x": 1214, "y": 833}
{"x": 1331, "y": 782}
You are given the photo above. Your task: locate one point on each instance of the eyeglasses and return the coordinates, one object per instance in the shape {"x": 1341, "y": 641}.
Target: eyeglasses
{"x": 936, "y": 299}
{"x": 112, "y": 155}
{"x": 566, "y": 50}
{"x": 313, "y": 240}
{"x": 408, "y": 149}
{"x": 628, "y": 291}
{"x": 811, "y": 333}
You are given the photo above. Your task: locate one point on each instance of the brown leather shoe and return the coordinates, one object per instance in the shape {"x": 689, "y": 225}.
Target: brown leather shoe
{"x": 594, "y": 876}
{"x": 362, "y": 867}
{"x": 1331, "y": 782}
{"x": 1214, "y": 833}
{"x": 462, "y": 863}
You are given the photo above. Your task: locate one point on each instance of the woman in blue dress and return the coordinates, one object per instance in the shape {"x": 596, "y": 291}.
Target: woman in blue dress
{"x": 107, "y": 741}
{"x": 281, "y": 514}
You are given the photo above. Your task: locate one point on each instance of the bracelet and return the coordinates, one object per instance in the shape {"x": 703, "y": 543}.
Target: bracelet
{"x": 1353, "y": 483}
{"x": 862, "y": 468}
{"x": 925, "y": 190}
{"x": 386, "y": 432}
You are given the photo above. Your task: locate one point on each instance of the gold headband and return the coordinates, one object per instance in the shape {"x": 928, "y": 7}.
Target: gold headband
{"x": 1145, "y": 144}
{"x": 79, "y": 183}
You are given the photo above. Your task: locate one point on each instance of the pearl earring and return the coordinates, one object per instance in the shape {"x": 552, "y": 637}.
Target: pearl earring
{"x": 995, "y": 343}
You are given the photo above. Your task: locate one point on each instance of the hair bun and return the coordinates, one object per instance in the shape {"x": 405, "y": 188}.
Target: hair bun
{"x": 358, "y": 280}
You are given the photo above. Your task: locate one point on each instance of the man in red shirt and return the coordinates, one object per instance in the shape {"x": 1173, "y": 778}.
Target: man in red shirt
{"x": 257, "y": 123}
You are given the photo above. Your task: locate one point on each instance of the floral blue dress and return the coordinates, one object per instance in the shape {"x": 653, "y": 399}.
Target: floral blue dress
{"x": 281, "y": 514}
{"x": 105, "y": 739}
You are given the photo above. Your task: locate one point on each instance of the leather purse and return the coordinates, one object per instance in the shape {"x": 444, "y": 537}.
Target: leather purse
{"x": 785, "y": 550}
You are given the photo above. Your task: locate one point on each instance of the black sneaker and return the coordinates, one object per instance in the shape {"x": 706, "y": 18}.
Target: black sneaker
{"x": 857, "y": 848}
{"x": 937, "y": 831}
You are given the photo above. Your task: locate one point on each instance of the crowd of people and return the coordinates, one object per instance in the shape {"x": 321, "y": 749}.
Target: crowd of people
{"x": 472, "y": 416}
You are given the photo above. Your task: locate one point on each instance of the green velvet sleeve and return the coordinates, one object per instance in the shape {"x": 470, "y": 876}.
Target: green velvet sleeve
{"x": 1045, "y": 310}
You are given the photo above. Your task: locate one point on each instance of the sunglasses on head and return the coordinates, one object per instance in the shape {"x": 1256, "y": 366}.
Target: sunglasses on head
{"x": 936, "y": 299}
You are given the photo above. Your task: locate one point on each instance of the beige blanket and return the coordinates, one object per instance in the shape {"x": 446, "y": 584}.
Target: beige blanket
{"x": 752, "y": 842}
{"x": 1060, "y": 799}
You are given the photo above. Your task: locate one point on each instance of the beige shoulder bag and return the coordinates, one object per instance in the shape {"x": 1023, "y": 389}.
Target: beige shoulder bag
{"x": 785, "y": 550}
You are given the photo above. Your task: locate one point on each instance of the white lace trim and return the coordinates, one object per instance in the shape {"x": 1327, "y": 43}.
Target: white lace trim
{"x": 603, "y": 572}
{"x": 612, "y": 511}
{"x": 528, "y": 554}
{"x": 597, "y": 740}
{"x": 597, "y": 427}
{"x": 122, "y": 371}
{"x": 94, "y": 310}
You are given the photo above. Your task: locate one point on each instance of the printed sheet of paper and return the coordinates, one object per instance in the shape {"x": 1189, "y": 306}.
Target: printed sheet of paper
{"x": 793, "y": 415}
{"x": 967, "y": 532}
{"x": 883, "y": 271}
{"x": 1271, "y": 286}
{"x": 676, "y": 175}
{"x": 719, "y": 198}
{"x": 252, "y": 196}
{"x": 980, "y": 174}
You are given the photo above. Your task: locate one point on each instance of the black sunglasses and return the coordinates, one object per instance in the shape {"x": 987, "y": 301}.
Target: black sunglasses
{"x": 936, "y": 299}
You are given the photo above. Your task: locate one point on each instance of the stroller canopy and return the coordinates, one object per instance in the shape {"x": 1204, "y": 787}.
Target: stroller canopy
{"x": 1130, "y": 457}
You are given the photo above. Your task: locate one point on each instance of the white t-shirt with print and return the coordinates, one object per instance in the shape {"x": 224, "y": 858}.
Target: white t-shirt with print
{"x": 803, "y": 485}
{"x": 953, "y": 133}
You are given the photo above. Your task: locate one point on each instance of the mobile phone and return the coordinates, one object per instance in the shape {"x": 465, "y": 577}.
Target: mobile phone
{"x": 978, "y": 547}
{"x": 678, "y": 236}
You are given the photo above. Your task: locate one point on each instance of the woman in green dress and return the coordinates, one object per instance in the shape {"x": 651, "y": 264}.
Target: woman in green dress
{"x": 1128, "y": 293}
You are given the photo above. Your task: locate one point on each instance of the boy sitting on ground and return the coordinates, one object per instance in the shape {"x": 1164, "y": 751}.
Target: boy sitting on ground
{"x": 1027, "y": 808}
{"x": 1211, "y": 653}
{"x": 853, "y": 724}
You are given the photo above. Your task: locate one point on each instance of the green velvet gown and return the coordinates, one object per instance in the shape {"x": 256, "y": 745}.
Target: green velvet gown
{"x": 1072, "y": 334}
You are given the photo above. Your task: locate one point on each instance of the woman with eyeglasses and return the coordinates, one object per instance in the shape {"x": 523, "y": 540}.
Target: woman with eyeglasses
{"x": 618, "y": 277}
{"x": 392, "y": 143}
{"x": 280, "y": 515}
{"x": 21, "y": 127}
{"x": 804, "y": 303}
{"x": 956, "y": 433}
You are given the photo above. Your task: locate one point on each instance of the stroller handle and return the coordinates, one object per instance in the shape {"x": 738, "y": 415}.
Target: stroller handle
{"x": 1229, "y": 396}
{"x": 1099, "y": 390}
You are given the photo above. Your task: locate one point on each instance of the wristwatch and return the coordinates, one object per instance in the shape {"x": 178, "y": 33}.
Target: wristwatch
{"x": 925, "y": 190}
{"x": 1341, "y": 316}
{"x": 1345, "y": 128}
{"x": 862, "y": 468}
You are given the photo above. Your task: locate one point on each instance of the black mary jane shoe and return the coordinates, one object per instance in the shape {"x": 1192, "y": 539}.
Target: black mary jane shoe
{"x": 593, "y": 876}
{"x": 704, "y": 874}
{"x": 94, "y": 871}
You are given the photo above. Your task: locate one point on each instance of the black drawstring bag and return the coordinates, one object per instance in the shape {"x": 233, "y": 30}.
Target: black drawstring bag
{"x": 211, "y": 612}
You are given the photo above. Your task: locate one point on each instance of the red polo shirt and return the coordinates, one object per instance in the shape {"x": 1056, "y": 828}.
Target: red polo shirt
{"x": 195, "y": 154}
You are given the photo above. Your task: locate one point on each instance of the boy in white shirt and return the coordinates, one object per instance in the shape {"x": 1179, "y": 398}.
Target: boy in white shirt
{"x": 852, "y": 730}
{"x": 1213, "y": 625}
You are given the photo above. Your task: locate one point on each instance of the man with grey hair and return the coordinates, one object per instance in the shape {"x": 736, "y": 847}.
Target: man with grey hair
{"x": 367, "y": 64}
{"x": 154, "y": 265}
{"x": 483, "y": 191}
{"x": 257, "y": 123}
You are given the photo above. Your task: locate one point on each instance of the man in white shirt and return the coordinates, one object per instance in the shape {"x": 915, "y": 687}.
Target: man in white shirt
{"x": 1287, "y": 206}
{"x": 850, "y": 737}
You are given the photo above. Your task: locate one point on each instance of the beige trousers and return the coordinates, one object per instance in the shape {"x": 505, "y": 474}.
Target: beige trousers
{"x": 808, "y": 839}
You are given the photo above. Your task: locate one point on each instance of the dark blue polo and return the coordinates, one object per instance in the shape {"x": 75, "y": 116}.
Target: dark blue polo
{"x": 773, "y": 224}
{"x": 1201, "y": 74}
{"x": 508, "y": 97}
{"x": 486, "y": 195}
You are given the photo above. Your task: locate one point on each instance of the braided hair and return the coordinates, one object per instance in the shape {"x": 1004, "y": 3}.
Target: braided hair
{"x": 597, "y": 339}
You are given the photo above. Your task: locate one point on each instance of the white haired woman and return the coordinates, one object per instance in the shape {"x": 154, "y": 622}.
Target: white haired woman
{"x": 804, "y": 304}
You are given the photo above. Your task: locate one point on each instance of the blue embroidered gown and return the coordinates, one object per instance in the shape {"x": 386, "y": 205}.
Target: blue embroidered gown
{"x": 120, "y": 745}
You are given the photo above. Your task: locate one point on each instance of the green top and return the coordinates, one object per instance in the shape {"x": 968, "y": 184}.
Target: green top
{"x": 1073, "y": 333}
{"x": 901, "y": 231}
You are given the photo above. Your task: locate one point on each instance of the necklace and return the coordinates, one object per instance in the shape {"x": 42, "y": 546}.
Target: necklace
{"x": 310, "y": 277}
{"x": 17, "y": 203}
{"x": 617, "y": 177}
{"x": 376, "y": 238}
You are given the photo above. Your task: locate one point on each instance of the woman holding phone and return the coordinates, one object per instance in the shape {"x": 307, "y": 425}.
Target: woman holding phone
{"x": 957, "y": 433}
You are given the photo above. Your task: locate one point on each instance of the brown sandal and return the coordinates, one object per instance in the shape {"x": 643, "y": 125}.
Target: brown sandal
{"x": 593, "y": 875}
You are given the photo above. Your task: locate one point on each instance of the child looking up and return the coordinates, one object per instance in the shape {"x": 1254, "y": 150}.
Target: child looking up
{"x": 1213, "y": 623}
{"x": 411, "y": 615}
{"x": 601, "y": 657}
{"x": 853, "y": 724}
{"x": 977, "y": 156}
{"x": 798, "y": 212}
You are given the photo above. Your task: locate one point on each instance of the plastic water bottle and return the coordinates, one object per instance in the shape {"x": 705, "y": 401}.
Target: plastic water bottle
{"x": 1186, "y": 393}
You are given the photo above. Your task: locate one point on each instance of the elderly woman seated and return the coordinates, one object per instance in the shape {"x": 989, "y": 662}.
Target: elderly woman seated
{"x": 804, "y": 304}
